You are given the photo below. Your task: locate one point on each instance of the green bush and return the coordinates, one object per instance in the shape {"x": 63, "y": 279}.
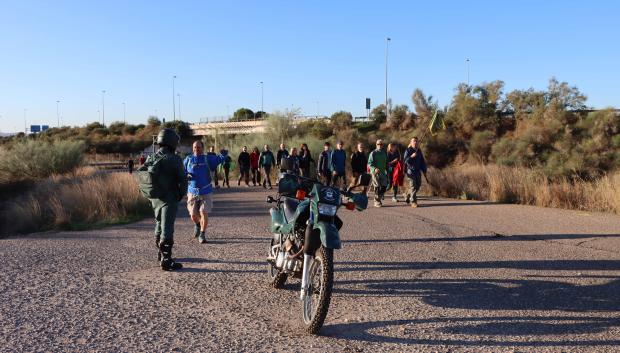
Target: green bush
{"x": 33, "y": 160}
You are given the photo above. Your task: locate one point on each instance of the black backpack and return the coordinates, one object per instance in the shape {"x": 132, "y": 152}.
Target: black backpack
{"x": 149, "y": 177}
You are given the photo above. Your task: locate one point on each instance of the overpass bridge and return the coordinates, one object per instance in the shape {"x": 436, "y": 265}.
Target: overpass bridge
{"x": 244, "y": 127}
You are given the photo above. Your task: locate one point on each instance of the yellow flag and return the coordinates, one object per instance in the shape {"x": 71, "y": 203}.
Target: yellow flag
{"x": 436, "y": 124}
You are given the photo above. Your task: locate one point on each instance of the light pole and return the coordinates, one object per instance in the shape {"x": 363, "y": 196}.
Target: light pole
{"x": 25, "y": 125}
{"x": 99, "y": 114}
{"x": 179, "y": 96}
{"x": 57, "y": 114}
{"x": 387, "y": 111}
{"x": 261, "y": 99}
{"x": 174, "y": 114}
{"x": 103, "y": 106}
{"x": 124, "y": 113}
{"x": 467, "y": 63}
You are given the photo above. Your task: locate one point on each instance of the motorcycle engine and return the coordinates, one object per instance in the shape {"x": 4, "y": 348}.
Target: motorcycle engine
{"x": 285, "y": 259}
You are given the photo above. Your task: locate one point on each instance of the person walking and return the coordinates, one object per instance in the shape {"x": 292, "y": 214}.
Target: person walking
{"x": 142, "y": 159}
{"x": 213, "y": 170}
{"x": 305, "y": 159}
{"x": 359, "y": 162}
{"x": 393, "y": 157}
{"x": 254, "y": 167}
{"x": 337, "y": 165}
{"x": 282, "y": 153}
{"x": 226, "y": 164}
{"x": 172, "y": 182}
{"x": 323, "y": 168}
{"x": 130, "y": 165}
{"x": 266, "y": 162}
{"x": 244, "y": 166}
{"x": 294, "y": 158}
{"x": 377, "y": 163}
{"x": 415, "y": 166}
{"x": 199, "y": 191}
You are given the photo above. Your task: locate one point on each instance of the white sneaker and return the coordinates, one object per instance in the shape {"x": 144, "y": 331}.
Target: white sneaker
{"x": 394, "y": 199}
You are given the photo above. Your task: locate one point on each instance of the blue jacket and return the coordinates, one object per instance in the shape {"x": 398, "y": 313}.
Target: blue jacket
{"x": 414, "y": 165}
{"x": 338, "y": 161}
{"x": 198, "y": 169}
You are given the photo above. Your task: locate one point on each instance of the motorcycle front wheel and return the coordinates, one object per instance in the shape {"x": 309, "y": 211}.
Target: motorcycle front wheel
{"x": 276, "y": 277}
{"x": 316, "y": 303}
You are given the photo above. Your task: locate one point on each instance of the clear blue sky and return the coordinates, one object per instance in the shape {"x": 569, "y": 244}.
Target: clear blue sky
{"x": 331, "y": 52}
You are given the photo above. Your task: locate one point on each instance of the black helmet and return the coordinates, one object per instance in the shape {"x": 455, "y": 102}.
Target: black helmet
{"x": 168, "y": 137}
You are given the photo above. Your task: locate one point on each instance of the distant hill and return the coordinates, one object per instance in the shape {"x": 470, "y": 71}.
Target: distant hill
{"x": 5, "y": 134}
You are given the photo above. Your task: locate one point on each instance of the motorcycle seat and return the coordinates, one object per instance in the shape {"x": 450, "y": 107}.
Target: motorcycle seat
{"x": 290, "y": 206}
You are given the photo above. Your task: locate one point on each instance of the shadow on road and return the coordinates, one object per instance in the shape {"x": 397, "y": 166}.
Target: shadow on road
{"x": 408, "y": 330}
{"x": 519, "y": 237}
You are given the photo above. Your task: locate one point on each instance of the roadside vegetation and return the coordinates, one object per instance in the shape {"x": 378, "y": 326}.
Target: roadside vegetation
{"x": 44, "y": 187}
{"x": 536, "y": 147}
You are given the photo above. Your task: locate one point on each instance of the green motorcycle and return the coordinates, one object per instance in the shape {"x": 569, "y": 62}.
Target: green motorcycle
{"x": 304, "y": 222}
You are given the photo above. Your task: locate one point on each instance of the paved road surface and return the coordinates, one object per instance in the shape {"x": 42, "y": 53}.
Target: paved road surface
{"x": 452, "y": 275}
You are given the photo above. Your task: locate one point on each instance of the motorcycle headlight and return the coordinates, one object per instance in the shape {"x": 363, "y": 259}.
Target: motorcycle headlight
{"x": 327, "y": 210}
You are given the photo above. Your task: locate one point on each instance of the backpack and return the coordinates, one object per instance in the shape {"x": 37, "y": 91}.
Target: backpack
{"x": 149, "y": 175}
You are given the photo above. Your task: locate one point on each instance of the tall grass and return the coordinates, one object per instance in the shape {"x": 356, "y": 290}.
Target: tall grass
{"x": 33, "y": 160}
{"x": 76, "y": 201}
{"x": 524, "y": 186}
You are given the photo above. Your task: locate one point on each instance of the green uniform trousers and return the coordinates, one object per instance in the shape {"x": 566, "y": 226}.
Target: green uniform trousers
{"x": 165, "y": 215}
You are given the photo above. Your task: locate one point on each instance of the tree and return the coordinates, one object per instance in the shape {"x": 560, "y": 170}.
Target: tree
{"x": 279, "y": 127}
{"x": 242, "y": 114}
{"x": 153, "y": 121}
{"x": 378, "y": 115}
{"x": 341, "y": 120}
{"x": 260, "y": 115}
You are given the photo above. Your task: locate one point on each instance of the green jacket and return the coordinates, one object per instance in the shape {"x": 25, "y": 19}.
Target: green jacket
{"x": 266, "y": 159}
{"x": 377, "y": 159}
{"x": 172, "y": 176}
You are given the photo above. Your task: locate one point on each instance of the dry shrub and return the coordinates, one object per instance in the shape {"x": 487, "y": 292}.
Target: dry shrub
{"x": 524, "y": 186}
{"x": 75, "y": 202}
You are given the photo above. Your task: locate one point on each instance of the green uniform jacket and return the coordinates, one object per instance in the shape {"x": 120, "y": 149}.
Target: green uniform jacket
{"x": 377, "y": 159}
{"x": 173, "y": 176}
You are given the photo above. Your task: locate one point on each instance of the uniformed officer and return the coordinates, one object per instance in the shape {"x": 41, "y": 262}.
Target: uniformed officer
{"x": 174, "y": 182}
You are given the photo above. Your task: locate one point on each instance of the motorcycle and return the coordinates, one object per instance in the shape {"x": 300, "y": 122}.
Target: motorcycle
{"x": 304, "y": 222}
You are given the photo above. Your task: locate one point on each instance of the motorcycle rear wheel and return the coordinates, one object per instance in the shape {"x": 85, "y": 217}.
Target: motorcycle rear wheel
{"x": 316, "y": 303}
{"x": 276, "y": 277}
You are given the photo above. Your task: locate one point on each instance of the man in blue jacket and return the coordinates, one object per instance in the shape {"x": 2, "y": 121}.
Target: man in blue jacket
{"x": 198, "y": 168}
{"x": 415, "y": 166}
{"x": 337, "y": 165}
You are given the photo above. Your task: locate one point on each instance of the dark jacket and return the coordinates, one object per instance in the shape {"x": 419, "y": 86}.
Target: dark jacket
{"x": 281, "y": 154}
{"x": 338, "y": 161}
{"x": 305, "y": 159}
{"x": 359, "y": 162}
{"x": 172, "y": 177}
{"x": 266, "y": 159}
{"x": 324, "y": 163}
{"x": 414, "y": 165}
{"x": 244, "y": 160}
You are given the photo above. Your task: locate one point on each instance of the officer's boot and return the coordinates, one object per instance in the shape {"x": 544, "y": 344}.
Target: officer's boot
{"x": 167, "y": 263}
{"x": 158, "y": 250}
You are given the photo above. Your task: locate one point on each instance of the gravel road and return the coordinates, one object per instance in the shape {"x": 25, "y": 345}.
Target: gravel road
{"x": 451, "y": 275}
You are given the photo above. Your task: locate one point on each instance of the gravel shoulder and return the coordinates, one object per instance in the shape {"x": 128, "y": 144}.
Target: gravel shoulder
{"x": 450, "y": 275}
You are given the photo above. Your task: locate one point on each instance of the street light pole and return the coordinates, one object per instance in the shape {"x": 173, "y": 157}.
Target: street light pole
{"x": 467, "y": 71}
{"x": 179, "y": 96}
{"x": 124, "y": 113}
{"x": 103, "y": 106}
{"x": 174, "y": 114}
{"x": 387, "y": 111}
{"x": 57, "y": 114}
{"x": 261, "y": 99}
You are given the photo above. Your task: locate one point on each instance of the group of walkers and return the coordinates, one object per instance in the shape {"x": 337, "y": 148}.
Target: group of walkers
{"x": 388, "y": 167}
{"x": 196, "y": 175}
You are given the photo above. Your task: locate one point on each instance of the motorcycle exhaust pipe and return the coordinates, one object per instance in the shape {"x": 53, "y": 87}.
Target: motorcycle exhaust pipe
{"x": 305, "y": 277}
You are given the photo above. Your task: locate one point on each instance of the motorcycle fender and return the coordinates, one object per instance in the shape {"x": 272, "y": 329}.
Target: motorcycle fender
{"x": 330, "y": 237}
{"x": 277, "y": 220}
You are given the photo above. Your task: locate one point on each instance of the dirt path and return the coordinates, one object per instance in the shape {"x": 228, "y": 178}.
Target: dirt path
{"x": 459, "y": 275}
